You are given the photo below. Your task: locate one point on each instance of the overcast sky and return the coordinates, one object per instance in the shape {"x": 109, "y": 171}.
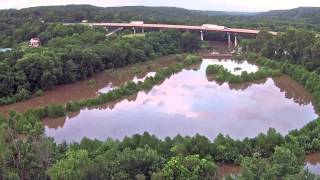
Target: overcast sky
{"x": 221, "y": 5}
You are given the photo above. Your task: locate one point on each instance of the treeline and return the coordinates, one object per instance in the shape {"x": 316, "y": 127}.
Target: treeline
{"x": 31, "y": 155}
{"x": 17, "y": 26}
{"x": 295, "y": 52}
{"x": 295, "y": 46}
{"x": 76, "y": 53}
{"x": 130, "y": 88}
{"x": 28, "y": 154}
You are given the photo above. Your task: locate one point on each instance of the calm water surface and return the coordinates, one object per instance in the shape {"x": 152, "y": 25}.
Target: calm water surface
{"x": 104, "y": 82}
{"x": 135, "y": 79}
{"x": 189, "y": 103}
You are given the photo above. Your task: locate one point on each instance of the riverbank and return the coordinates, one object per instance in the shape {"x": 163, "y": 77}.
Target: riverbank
{"x": 83, "y": 89}
{"x": 223, "y": 149}
{"x": 197, "y": 105}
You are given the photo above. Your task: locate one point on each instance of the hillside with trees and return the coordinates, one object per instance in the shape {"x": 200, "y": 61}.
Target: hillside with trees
{"x": 308, "y": 13}
{"x": 20, "y": 25}
{"x": 72, "y": 53}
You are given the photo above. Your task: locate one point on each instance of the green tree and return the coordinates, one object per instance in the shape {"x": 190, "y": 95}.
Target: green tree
{"x": 285, "y": 162}
{"x": 76, "y": 165}
{"x": 189, "y": 167}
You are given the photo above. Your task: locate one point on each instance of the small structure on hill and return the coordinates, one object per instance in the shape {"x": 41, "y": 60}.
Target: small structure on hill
{"x": 5, "y": 49}
{"x": 34, "y": 42}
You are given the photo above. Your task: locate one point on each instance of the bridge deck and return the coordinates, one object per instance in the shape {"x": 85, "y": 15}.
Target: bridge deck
{"x": 170, "y": 26}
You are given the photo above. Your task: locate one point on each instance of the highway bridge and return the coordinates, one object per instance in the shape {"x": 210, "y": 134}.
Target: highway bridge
{"x": 135, "y": 25}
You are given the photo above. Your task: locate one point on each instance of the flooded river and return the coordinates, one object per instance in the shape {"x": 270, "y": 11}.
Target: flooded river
{"x": 102, "y": 82}
{"x": 189, "y": 103}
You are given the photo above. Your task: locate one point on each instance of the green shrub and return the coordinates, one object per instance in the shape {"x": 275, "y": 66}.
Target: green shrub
{"x": 55, "y": 110}
{"x": 72, "y": 106}
{"x": 252, "y": 56}
{"x": 276, "y": 73}
{"x": 22, "y": 94}
{"x": 39, "y": 93}
{"x": 213, "y": 69}
{"x": 92, "y": 83}
{"x": 191, "y": 59}
{"x": 235, "y": 79}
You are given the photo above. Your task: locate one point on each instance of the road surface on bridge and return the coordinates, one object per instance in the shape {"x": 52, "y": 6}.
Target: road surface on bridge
{"x": 171, "y": 26}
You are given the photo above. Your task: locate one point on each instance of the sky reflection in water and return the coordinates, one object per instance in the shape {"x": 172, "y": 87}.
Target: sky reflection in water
{"x": 188, "y": 103}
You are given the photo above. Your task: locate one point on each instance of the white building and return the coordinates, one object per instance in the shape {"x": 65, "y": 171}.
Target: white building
{"x": 34, "y": 42}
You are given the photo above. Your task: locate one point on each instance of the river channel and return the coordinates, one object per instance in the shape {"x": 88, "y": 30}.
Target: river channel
{"x": 188, "y": 103}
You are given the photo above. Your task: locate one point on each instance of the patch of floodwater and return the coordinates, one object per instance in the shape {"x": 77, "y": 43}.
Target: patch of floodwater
{"x": 107, "y": 88}
{"x": 107, "y": 80}
{"x": 135, "y": 79}
{"x": 313, "y": 163}
{"x": 226, "y": 170}
{"x": 149, "y": 74}
{"x": 188, "y": 103}
{"x": 234, "y": 66}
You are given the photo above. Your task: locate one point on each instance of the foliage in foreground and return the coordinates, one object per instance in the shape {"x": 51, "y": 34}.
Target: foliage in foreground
{"x": 31, "y": 155}
{"x": 270, "y": 155}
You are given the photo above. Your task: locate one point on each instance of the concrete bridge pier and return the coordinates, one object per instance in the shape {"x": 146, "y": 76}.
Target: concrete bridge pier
{"x": 235, "y": 40}
{"x": 229, "y": 40}
{"x": 142, "y": 30}
{"x": 201, "y": 34}
{"x": 134, "y": 30}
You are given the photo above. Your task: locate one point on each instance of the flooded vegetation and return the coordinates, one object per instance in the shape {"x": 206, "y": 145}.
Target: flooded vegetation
{"x": 226, "y": 170}
{"x": 190, "y": 103}
{"x": 90, "y": 106}
{"x": 100, "y": 83}
{"x": 313, "y": 163}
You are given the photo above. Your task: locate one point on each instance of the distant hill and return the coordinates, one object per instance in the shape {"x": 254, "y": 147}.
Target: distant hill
{"x": 76, "y": 13}
{"x": 307, "y": 13}
{"x": 224, "y": 13}
{"x": 278, "y": 20}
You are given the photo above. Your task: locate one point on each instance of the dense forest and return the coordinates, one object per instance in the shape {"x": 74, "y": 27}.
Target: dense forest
{"x": 295, "y": 46}
{"x": 72, "y": 53}
{"x": 29, "y": 154}
{"x": 20, "y": 25}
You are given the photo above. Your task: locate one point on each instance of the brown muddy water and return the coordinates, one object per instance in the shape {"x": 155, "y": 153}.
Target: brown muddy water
{"x": 99, "y": 83}
{"x": 225, "y": 170}
{"x": 312, "y": 164}
{"x": 188, "y": 103}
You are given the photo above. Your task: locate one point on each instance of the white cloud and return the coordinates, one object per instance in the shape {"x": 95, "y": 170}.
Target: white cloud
{"x": 224, "y": 5}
